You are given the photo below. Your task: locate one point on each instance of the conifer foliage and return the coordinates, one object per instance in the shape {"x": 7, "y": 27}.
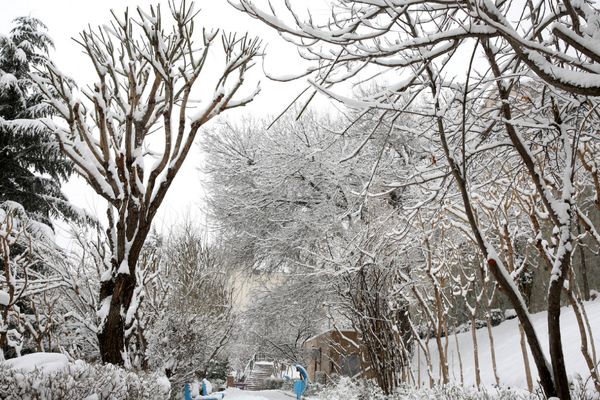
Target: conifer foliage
{"x": 32, "y": 164}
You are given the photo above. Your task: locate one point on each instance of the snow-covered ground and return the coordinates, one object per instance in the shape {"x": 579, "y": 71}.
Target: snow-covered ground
{"x": 237, "y": 394}
{"x": 509, "y": 358}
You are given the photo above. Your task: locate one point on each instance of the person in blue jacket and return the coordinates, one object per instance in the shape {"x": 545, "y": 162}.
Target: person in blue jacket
{"x": 301, "y": 385}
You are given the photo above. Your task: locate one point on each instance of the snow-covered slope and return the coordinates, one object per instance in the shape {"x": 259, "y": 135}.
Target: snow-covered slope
{"x": 509, "y": 358}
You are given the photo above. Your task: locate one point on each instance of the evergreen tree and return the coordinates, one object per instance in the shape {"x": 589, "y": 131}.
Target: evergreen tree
{"x": 32, "y": 166}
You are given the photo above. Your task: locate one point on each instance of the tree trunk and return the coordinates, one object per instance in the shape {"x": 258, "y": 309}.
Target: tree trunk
{"x": 499, "y": 273}
{"x": 111, "y": 338}
{"x": 555, "y": 340}
{"x": 118, "y": 291}
{"x": 460, "y": 364}
{"x": 591, "y": 363}
{"x": 583, "y": 267}
{"x": 557, "y": 281}
{"x": 492, "y": 348}
{"x": 475, "y": 351}
{"x": 525, "y": 360}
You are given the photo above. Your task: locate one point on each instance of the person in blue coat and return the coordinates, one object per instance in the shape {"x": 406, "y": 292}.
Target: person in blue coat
{"x": 301, "y": 385}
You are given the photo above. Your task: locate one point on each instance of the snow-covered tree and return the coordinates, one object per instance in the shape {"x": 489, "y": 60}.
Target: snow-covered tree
{"x": 129, "y": 133}
{"x": 294, "y": 206}
{"x": 28, "y": 284}
{"x": 369, "y": 298}
{"x": 279, "y": 319}
{"x": 274, "y": 194}
{"x": 32, "y": 164}
{"x": 186, "y": 317}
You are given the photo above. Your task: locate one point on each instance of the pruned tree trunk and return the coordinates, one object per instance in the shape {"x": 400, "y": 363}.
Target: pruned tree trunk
{"x": 523, "y": 344}
{"x": 460, "y": 364}
{"x": 475, "y": 351}
{"x": 583, "y": 267}
{"x": 111, "y": 338}
{"x": 145, "y": 80}
{"x": 589, "y": 359}
{"x": 492, "y": 348}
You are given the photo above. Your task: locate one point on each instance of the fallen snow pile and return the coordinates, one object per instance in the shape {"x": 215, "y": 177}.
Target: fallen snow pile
{"x": 509, "y": 358}
{"x": 46, "y": 362}
{"x": 47, "y": 376}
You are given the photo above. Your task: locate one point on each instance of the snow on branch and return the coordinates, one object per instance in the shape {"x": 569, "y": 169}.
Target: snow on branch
{"x": 129, "y": 132}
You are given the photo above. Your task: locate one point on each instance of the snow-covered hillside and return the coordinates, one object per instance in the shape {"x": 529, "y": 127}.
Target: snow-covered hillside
{"x": 509, "y": 358}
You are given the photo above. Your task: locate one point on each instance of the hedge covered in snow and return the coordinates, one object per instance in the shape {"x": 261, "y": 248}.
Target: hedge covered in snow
{"x": 348, "y": 389}
{"x": 79, "y": 380}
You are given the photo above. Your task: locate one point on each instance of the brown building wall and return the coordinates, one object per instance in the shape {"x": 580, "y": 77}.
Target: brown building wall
{"x": 336, "y": 353}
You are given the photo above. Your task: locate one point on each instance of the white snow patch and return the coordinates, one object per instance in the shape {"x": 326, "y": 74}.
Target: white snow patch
{"x": 4, "y": 298}
{"x": 164, "y": 383}
{"x": 509, "y": 358}
{"x": 46, "y": 362}
{"x": 237, "y": 394}
{"x": 7, "y": 80}
{"x": 21, "y": 56}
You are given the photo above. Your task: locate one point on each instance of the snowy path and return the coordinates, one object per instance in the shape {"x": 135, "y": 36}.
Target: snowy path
{"x": 237, "y": 394}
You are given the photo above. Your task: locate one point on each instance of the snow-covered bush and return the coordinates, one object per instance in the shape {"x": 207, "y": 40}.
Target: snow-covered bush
{"x": 349, "y": 389}
{"x": 274, "y": 383}
{"x": 80, "y": 380}
{"x": 451, "y": 392}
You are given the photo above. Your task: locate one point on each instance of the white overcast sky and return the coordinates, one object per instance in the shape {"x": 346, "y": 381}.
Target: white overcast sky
{"x": 66, "y": 18}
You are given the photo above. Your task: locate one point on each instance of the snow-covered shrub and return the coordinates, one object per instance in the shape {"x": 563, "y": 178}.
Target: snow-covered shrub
{"x": 80, "y": 380}
{"x": 349, "y": 389}
{"x": 452, "y": 392}
{"x": 583, "y": 389}
{"x": 274, "y": 383}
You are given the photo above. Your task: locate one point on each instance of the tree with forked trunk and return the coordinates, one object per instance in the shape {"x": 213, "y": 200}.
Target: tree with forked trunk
{"x": 129, "y": 134}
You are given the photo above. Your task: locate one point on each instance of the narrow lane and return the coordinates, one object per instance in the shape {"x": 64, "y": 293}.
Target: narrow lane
{"x": 237, "y": 394}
